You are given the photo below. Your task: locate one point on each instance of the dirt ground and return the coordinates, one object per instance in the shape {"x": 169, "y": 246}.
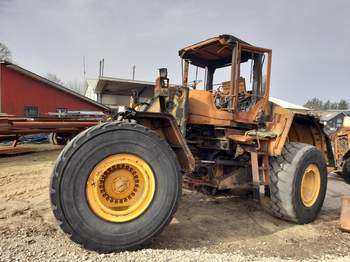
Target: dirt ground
{"x": 204, "y": 224}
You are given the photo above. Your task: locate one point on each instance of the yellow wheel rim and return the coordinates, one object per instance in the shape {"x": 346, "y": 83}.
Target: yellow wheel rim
{"x": 120, "y": 188}
{"x": 310, "y": 185}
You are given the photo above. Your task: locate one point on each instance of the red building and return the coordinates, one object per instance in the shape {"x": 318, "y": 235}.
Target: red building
{"x": 23, "y": 93}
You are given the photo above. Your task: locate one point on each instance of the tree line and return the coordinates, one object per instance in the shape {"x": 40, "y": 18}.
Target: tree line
{"x": 318, "y": 104}
{"x": 77, "y": 86}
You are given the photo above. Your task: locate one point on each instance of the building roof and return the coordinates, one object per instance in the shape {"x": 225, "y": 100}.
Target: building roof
{"x": 329, "y": 115}
{"x": 288, "y": 105}
{"x": 53, "y": 84}
{"x": 120, "y": 86}
{"x": 345, "y": 111}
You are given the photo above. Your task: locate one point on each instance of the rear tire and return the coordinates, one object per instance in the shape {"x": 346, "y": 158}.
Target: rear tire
{"x": 346, "y": 171}
{"x": 287, "y": 197}
{"x": 78, "y": 160}
{"x": 59, "y": 139}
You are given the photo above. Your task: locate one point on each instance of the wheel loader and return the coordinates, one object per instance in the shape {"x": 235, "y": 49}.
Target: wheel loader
{"x": 116, "y": 185}
{"x": 341, "y": 143}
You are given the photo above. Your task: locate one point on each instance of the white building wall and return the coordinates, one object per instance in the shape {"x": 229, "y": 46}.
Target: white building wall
{"x": 90, "y": 89}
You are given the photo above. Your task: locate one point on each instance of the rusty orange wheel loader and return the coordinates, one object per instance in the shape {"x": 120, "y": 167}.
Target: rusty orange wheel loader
{"x": 117, "y": 185}
{"x": 341, "y": 140}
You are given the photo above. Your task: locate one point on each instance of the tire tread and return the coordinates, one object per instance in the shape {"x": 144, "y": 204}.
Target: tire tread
{"x": 282, "y": 175}
{"x": 64, "y": 158}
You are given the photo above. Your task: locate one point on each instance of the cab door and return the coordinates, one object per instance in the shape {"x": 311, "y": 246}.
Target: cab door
{"x": 252, "y": 83}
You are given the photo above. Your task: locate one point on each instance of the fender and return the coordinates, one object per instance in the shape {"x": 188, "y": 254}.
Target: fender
{"x": 166, "y": 126}
{"x": 298, "y": 127}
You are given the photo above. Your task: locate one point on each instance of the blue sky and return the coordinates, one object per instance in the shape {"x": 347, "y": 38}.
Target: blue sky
{"x": 309, "y": 39}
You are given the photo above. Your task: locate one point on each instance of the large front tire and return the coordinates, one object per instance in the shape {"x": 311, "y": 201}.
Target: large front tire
{"x": 298, "y": 183}
{"x": 140, "y": 198}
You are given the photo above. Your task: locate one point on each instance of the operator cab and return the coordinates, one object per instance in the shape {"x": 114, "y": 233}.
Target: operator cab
{"x": 235, "y": 73}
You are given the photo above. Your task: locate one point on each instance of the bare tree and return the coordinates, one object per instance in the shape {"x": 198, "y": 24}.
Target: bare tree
{"x": 54, "y": 78}
{"x": 5, "y": 53}
{"x": 76, "y": 86}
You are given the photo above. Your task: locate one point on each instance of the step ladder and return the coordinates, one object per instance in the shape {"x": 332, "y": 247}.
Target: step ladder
{"x": 260, "y": 173}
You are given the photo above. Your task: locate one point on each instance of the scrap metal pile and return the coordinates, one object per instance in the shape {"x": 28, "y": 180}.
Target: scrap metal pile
{"x": 17, "y": 126}
{"x": 60, "y": 128}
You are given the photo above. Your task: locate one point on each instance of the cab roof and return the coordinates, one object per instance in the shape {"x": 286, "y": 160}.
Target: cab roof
{"x": 214, "y": 52}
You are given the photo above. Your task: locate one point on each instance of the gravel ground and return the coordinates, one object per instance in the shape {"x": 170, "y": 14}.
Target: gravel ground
{"x": 204, "y": 228}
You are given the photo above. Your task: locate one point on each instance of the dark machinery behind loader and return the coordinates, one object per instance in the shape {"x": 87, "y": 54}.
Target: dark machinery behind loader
{"x": 341, "y": 142}
{"x": 117, "y": 185}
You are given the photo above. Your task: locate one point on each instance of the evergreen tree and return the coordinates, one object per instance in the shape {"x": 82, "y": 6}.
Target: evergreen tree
{"x": 327, "y": 105}
{"x": 314, "y": 103}
{"x": 343, "y": 104}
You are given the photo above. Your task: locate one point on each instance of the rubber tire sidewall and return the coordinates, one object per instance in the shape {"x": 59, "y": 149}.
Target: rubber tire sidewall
{"x": 346, "y": 170}
{"x": 61, "y": 140}
{"x": 308, "y": 214}
{"x": 96, "y": 233}
{"x": 286, "y": 173}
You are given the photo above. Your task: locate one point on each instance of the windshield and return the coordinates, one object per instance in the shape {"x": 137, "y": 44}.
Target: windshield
{"x": 196, "y": 77}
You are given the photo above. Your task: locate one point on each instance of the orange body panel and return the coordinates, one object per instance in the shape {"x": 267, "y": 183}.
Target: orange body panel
{"x": 289, "y": 129}
{"x": 202, "y": 110}
{"x": 281, "y": 121}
